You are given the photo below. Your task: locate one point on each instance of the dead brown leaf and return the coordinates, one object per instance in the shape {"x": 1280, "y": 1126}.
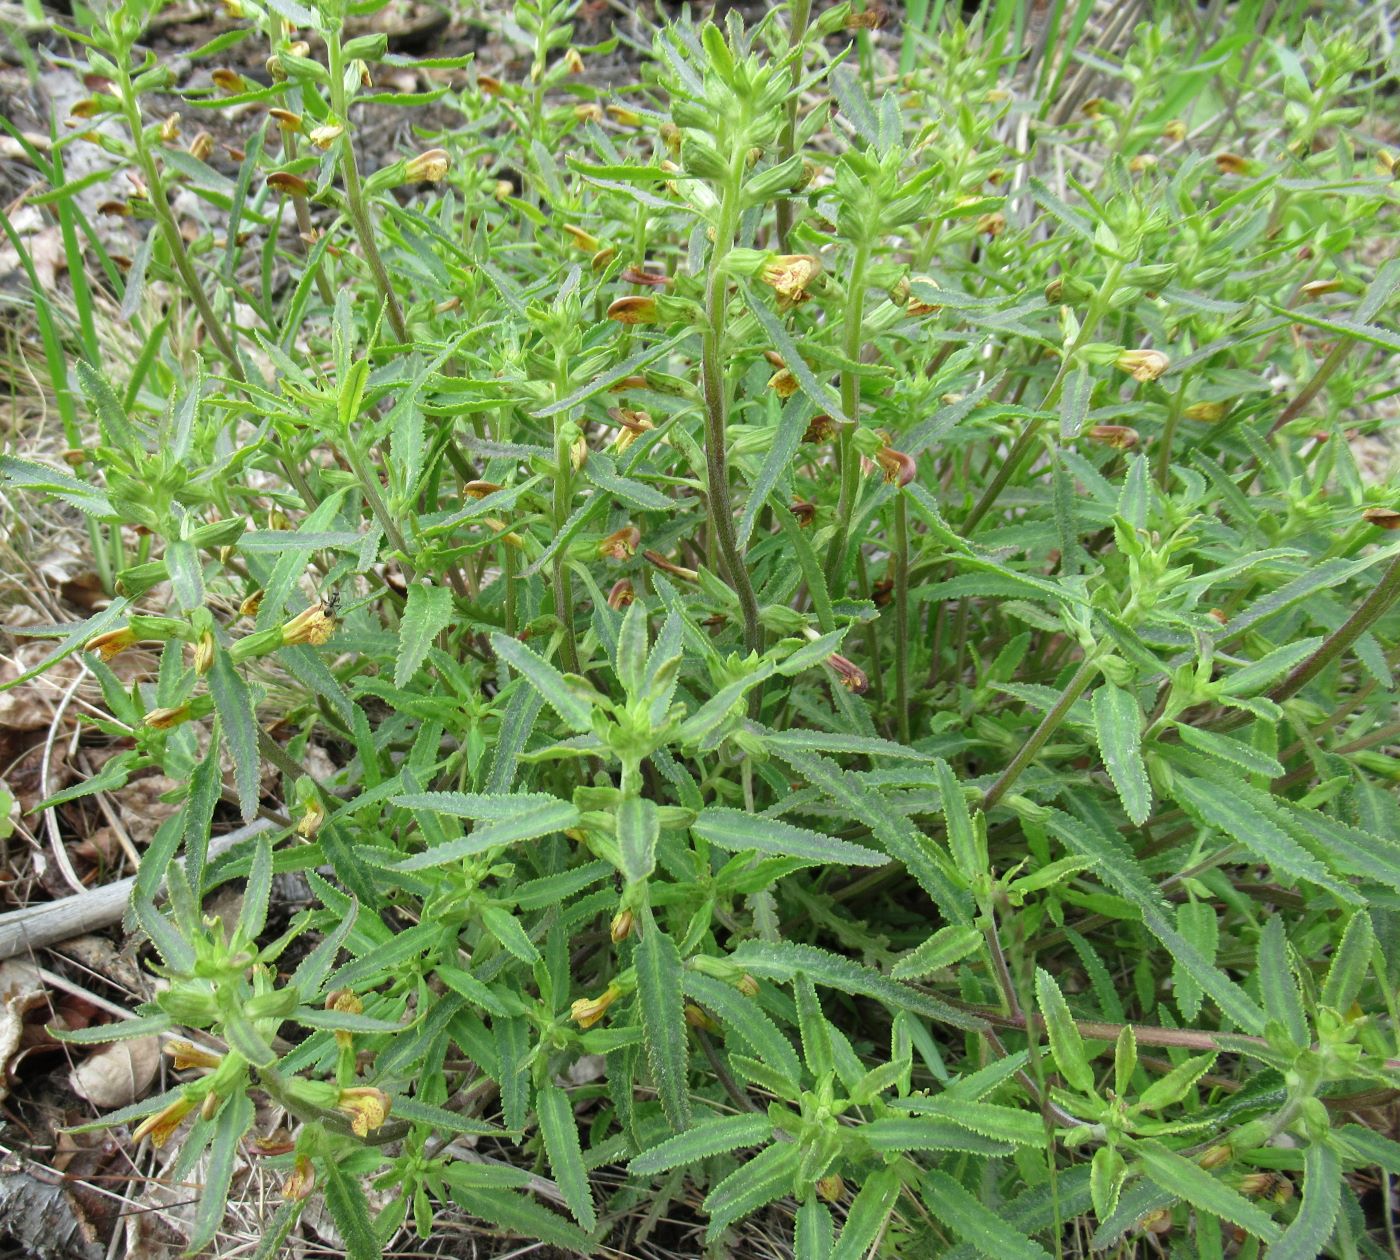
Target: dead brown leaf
{"x": 119, "y": 1074}
{"x": 21, "y": 990}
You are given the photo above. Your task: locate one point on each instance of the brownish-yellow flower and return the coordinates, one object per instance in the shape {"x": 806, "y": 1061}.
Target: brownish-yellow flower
{"x": 1143, "y": 365}
{"x": 185, "y": 1054}
{"x": 588, "y": 1011}
{"x": 161, "y": 1126}
{"x": 312, "y": 626}
{"x": 110, "y": 642}
{"x": 366, "y": 1107}
{"x": 790, "y": 276}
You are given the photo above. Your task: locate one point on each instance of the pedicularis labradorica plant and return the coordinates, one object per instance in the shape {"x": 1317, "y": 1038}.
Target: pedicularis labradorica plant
{"x": 856, "y": 651}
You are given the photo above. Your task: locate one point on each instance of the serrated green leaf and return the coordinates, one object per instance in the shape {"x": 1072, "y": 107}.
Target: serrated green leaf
{"x": 968, "y": 1219}
{"x": 426, "y": 614}
{"x": 548, "y": 681}
{"x": 1186, "y": 1180}
{"x": 945, "y": 947}
{"x": 1066, "y": 1045}
{"x": 712, "y": 1137}
{"x": 1118, "y": 730}
{"x": 868, "y": 1215}
{"x": 561, "y": 1144}
{"x": 638, "y": 830}
{"x": 736, "y": 831}
{"x": 767, "y": 1176}
{"x": 234, "y": 704}
{"x": 1307, "y": 1233}
{"x": 1001, "y": 1124}
{"x": 663, "y": 1022}
{"x": 781, "y": 960}
{"x": 533, "y": 816}
{"x": 1350, "y": 962}
{"x": 518, "y": 1214}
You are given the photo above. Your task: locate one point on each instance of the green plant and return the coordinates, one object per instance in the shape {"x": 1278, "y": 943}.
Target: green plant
{"x": 852, "y": 603}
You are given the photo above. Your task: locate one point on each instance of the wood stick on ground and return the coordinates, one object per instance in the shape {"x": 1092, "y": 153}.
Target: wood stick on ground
{"x": 52, "y": 921}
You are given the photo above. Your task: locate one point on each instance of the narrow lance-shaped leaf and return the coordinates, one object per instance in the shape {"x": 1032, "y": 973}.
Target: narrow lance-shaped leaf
{"x": 240, "y": 727}
{"x": 1066, "y": 1045}
{"x": 970, "y": 1220}
{"x": 638, "y": 829}
{"x": 734, "y": 830}
{"x": 1118, "y": 729}
{"x": 713, "y": 1137}
{"x": 547, "y": 680}
{"x": 561, "y": 1143}
{"x": 663, "y": 1021}
{"x": 1207, "y": 1193}
{"x": 868, "y": 1215}
{"x": 427, "y": 613}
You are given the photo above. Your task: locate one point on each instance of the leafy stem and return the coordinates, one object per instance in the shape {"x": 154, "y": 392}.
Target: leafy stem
{"x": 715, "y": 387}
{"x": 1028, "y": 751}
{"x": 354, "y": 192}
{"x": 847, "y": 457}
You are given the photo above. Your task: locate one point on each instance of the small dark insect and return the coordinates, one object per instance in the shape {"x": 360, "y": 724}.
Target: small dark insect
{"x": 330, "y": 601}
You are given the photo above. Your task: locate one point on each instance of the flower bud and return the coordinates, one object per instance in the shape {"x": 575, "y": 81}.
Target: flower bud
{"x": 623, "y": 116}
{"x": 1266, "y": 1185}
{"x": 204, "y": 653}
{"x": 783, "y": 383}
{"x": 671, "y": 136}
{"x": 696, "y": 1018}
{"x": 428, "y": 167}
{"x": 1143, "y": 365}
{"x": 852, "y": 677}
{"x": 480, "y": 489}
{"x": 313, "y": 814}
{"x": 1214, "y": 1156}
{"x": 1382, "y": 517}
{"x": 504, "y": 188}
{"x": 640, "y": 275}
{"x": 1319, "y": 288}
{"x": 621, "y": 926}
{"x": 804, "y": 512}
{"x": 170, "y": 129}
{"x": 819, "y": 429}
{"x": 1175, "y": 130}
{"x": 899, "y": 468}
{"x": 747, "y": 985}
{"x": 166, "y": 719}
{"x": 578, "y": 452}
{"x": 667, "y": 566}
{"x": 489, "y": 85}
{"x": 573, "y": 61}
{"x": 251, "y": 603}
{"x": 621, "y": 595}
{"x": 110, "y": 642}
{"x": 1118, "y": 436}
{"x": 1231, "y": 164}
{"x": 635, "y": 308}
{"x": 286, "y": 182}
{"x": 1209, "y": 412}
{"x": 581, "y": 239}
{"x": 590, "y": 112}
{"x": 917, "y": 306}
{"x": 209, "y": 1108}
{"x": 285, "y": 119}
{"x": 226, "y": 80}
{"x": 588, "y": 1011}
{"x": 831, "y": 1187}
{"x": 1143, "y": 162}
{"x": 115, "y": 209}
{"x": 991, "y": 225}
{"x": 1158, "y": 1222}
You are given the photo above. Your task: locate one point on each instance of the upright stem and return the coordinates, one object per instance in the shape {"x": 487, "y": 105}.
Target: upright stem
{"x": 900, "y": 561}
{"x": 715, "y": 387}
{"x": 355, "y": 197}
{"x": 1027, "y": 437}
{"x": 1076, "y": 687}
{"x": 1371, "y": 609}
{"x": 800, "y": 11}
{"x": 848, "y": 457}
{"x": 1330, "y": 364}
{"x": 562, "y": 587}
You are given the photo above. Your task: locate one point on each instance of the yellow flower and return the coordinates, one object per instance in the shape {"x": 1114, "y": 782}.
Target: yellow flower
{"x": 161, "y": 1126}
{"x": 1143, "y": 365}
{"x": 582, "y": 240}
{"x": 588, "y": 1011}
{"x": 313, "y": 626}
{"x": 301, "y": 1180}
{"x": 428, "y": 167}
{"x": 250, "y": 605}
{"x": 621, "y": 927}
{"x": 185, "y": 1054}
{"x": 635, "y": 308}
{"x": 204, "y": 653}
{"x": 1115, "y": 435}
{"x": 790, "y": 276}
{"x": 324, "y": 137}
{"x": 312, "y": 816}
{"x": 1207, "y": 411}
{"x": 366, "y": 1107}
